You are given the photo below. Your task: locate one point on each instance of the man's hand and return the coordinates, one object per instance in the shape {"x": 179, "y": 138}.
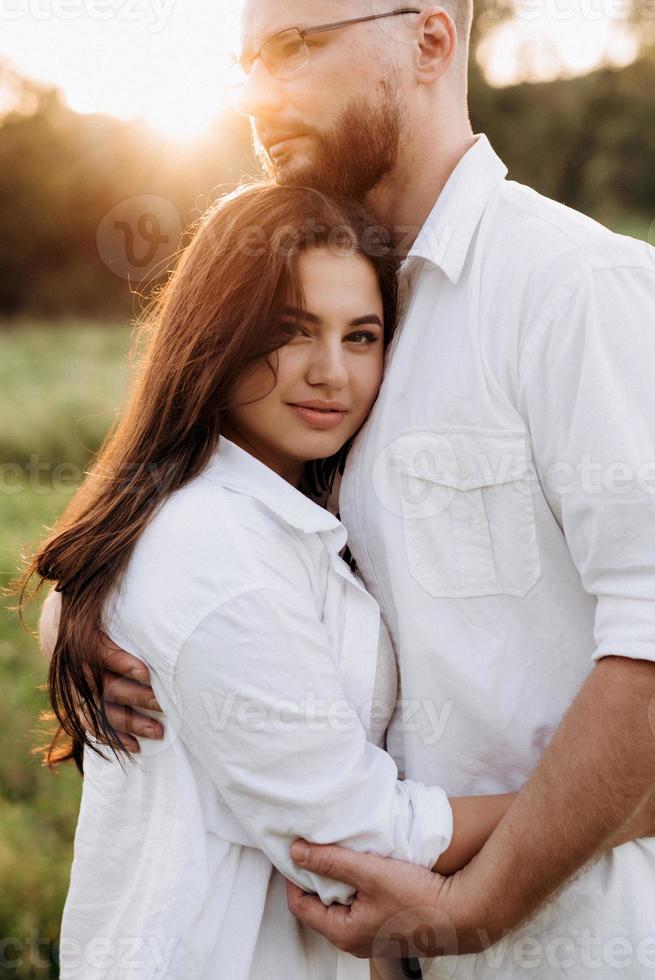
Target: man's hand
{"x": 592, "y": 790}
{"x": 400, "y": 910}
{"x": 126, "y": 689}
{"x": 126, "y": 681}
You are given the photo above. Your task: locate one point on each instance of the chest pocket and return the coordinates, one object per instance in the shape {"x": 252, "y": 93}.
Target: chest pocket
{"x": 468, "y": 514}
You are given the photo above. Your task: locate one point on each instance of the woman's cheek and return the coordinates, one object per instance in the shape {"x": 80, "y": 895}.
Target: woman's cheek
{"x": 369, "y": 386}
{"x": 290, "y": 362}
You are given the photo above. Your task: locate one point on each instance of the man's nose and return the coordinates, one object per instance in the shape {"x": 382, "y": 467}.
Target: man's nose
{"x": 261, "y": 95}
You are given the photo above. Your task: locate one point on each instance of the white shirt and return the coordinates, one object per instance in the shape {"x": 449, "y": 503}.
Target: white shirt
{"x": 264, "y": 653}
{"x": 500, "y": 503}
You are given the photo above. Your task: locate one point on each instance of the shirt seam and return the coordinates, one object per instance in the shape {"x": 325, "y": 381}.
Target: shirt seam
{"x": 591, "y": 273}
{"x": 230, "y": 597}
{"x": 546, "y": 331}
{"x": 533, "y": 213}
{"x": 575, "y": 242}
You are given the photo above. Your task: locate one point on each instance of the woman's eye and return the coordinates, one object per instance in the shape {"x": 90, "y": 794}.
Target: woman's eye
{"x": 363, "y": 337}
{"x": 292, "y": 330}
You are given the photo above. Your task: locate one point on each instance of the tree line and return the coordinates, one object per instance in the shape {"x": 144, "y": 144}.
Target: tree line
{"x": 588, "y": 142}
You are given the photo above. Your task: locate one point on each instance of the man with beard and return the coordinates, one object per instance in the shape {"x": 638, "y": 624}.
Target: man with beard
{"x": 500, "y": 503}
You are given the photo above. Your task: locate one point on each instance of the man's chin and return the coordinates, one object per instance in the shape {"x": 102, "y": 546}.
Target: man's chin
{"x": 292, "y": 168}
{"x": 294, "y": 165}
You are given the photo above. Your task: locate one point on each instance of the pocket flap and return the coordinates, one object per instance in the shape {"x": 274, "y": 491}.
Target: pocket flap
{"x": 463, "y": 459}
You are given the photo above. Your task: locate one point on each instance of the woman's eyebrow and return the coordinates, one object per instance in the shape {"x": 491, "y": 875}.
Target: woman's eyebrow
{"x": 359, "y": 321}
{"x": 302, "y": 314}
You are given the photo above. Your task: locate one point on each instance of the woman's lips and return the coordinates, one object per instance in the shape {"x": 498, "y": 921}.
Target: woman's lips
{"x": 318, "y": 419}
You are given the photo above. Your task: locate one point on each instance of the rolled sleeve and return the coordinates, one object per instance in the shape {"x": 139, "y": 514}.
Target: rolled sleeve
{"x": 589, "y": 398}
{"x": 264, "y": 713}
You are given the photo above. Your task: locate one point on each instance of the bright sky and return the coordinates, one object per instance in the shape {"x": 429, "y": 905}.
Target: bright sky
{"x": 163, "y": 60}
{"x": 571, "y": 39}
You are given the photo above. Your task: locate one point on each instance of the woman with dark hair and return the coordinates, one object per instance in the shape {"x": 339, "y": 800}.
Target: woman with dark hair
{"x": 200, "y": 543}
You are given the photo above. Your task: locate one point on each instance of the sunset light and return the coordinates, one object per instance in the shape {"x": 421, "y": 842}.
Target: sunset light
{"x": 164, "y": 61}
{"x": 158, "y": 60}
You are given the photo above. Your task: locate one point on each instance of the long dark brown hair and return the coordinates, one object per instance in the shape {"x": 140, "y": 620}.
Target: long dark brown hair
{"x": 218, "y": 315}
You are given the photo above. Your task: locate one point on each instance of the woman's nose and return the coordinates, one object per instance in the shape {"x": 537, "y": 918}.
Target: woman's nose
{"x": 328, "y": 366}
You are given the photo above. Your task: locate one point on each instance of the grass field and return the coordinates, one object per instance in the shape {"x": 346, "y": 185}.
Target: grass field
{"x": 59, "y": 389}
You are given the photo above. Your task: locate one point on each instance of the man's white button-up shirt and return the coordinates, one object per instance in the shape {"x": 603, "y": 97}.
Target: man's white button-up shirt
{"x": 500, "y": 503}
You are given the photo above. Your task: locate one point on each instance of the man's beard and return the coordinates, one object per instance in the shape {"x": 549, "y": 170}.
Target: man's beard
{"x": 351, "y": 158}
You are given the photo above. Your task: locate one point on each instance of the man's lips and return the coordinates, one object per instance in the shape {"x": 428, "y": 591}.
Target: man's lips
{"x": 277, "y": 144}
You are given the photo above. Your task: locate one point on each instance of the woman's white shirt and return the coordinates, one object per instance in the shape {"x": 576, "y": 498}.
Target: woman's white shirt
{"x": 274, "y": 672}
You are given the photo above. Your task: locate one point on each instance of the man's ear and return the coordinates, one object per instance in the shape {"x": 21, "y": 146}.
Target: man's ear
{"x": 437, "y": 44}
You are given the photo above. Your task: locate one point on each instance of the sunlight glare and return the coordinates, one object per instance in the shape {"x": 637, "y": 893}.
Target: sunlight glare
{"x": 541, "y": 50}
{"x": 167, "y": 68}
{"x": 164, "y": 61}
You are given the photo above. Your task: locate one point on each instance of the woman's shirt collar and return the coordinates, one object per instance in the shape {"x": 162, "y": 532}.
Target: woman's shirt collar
{"x": 237, "y": 470}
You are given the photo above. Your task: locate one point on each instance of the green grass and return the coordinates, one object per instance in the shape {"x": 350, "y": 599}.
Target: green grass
{"x": 59, "y": 389}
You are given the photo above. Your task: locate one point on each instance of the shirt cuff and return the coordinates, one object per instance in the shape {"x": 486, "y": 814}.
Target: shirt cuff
{"x": 431, "y": 830}
{"x": 625, "y": 627}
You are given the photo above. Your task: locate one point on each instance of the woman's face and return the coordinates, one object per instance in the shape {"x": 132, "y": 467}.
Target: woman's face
{"x": 328, "y": 374}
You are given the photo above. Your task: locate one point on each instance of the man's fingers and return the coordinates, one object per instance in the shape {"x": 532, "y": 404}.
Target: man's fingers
{"x": 123, "y": 663}
{"x": 129, "y": 722}
{"x": 127, "y": 741}
{"x": 338, "y": 863}
{"x": 115, "y": 716}
{"x": 120, "y": 690}
{"x": 130, "y": 743}
{"x": 331, "y": 922}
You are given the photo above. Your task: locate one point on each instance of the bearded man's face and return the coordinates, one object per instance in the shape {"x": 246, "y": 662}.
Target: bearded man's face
{"x": 336, "y": 124}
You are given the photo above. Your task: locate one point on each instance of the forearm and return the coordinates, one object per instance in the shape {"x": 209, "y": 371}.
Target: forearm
{"x": 49, "y": 623}
{"x": 310, "y": 777}
{"x": 474, "y": 820}
{"x": 594, "y": 778}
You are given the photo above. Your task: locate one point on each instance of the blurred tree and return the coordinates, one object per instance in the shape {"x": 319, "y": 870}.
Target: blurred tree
{"x": 60, "y": 173}
{"x": 589, "y": 142}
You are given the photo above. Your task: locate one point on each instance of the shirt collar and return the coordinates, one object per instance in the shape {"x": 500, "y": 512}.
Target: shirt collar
{"x": 446, "y": 236}
{"x": 237, "y": 470}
